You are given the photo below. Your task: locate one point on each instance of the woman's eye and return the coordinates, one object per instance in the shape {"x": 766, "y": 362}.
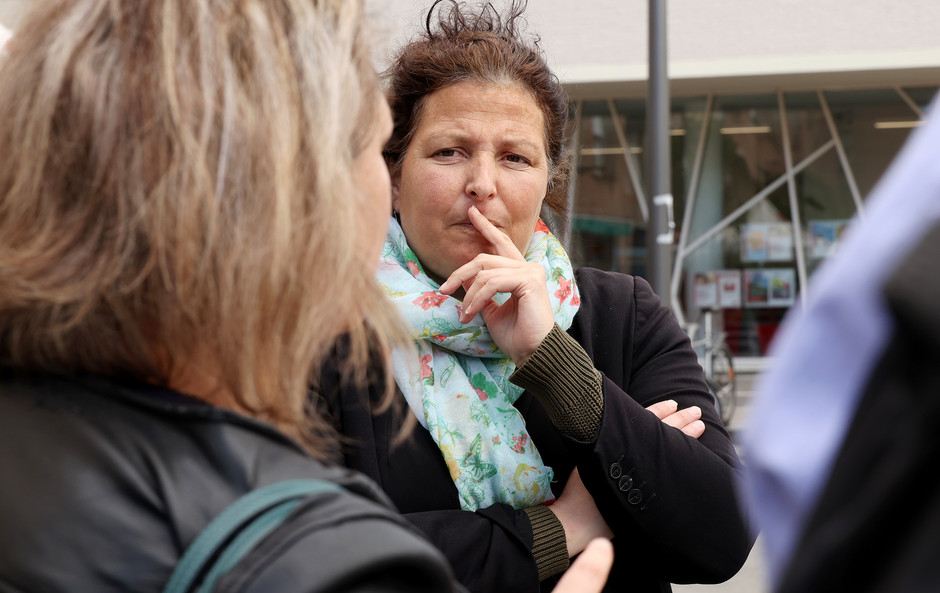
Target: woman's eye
{"x": 515, "y": 158}
{"x": 446, "y": 152}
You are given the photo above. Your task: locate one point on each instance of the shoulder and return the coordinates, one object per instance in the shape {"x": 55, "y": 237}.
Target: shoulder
{"x": 592, "y": 280}
{"x": 605, "y": 291}
{"x": 621, "y": 308}
{"x": 341, "y": 541}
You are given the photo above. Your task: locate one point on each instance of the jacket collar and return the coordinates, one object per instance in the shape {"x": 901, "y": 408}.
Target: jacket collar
{"x": 913, "y": 291}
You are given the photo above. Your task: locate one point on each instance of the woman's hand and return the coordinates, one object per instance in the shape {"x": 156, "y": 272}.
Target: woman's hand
{"x": 579, "y": 516}
{"x": 687, "y": 420}
{"x": 520, "y": 324}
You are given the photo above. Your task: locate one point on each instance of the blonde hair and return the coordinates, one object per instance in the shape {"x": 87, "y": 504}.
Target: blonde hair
{"x": 177, "y": 177}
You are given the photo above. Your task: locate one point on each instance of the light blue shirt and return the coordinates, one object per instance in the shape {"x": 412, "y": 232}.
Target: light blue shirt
{"x": 823, "y": 354}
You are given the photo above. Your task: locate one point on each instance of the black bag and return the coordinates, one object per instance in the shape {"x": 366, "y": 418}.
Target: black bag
{"x": 236, "y": 530}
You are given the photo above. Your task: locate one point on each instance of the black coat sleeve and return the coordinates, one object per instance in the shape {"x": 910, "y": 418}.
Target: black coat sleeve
{"x": 670, "y": 499}
{"x": 487, "y": 549}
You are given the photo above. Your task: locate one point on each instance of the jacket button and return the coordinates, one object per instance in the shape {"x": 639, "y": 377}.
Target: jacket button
{"x": 634, "y": 496}
{"x": 626, "y": 482}
{"x": 615, "y": 470}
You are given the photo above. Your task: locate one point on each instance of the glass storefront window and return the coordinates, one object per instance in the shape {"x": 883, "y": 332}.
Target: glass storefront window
{"x": 826, "y": 206}
{"x": 744, "y": 144}
{"x": 873, "y": 125}
{"x": 770, "y": 193}
{"x": 922, "y": 96}
{"x": 607, "y": 222}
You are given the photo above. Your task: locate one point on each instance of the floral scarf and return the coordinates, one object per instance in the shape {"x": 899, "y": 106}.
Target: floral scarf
{"x": 459, "y": 386}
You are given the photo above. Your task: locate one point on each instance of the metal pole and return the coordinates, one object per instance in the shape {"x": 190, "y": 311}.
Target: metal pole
{"x": 659, "y": 231}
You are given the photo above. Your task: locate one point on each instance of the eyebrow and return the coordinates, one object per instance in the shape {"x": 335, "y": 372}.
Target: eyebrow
{"x": 458, "y": 137}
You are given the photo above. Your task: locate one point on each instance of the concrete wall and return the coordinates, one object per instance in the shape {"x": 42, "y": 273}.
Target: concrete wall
{"x": 599, "y": 47}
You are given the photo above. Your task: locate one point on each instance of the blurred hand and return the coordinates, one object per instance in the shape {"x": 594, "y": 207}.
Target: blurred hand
{"x": 687, "y": 420}
{"x": 520, "y": 324}
{"x": 588, "y": 574}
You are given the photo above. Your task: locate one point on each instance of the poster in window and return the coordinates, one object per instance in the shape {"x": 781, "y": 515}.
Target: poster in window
{"x": 729, "y": 289}
{"x": 756, "y": 288}
{"x": 825, "y": 236}
{"x": 782, "y": 287}
{"x": 766, "y": 241}
{"x": 770, "y": 287}
{"x": 753, "y": 242}
{"x": 706, "y": 290}
{"x": 779, "y": 242}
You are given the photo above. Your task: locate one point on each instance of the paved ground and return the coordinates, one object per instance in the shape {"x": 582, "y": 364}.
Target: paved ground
{"x": 751, "y": 578}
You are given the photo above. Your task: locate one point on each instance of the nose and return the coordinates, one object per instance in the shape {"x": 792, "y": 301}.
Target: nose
{"x": 481, "y": 179}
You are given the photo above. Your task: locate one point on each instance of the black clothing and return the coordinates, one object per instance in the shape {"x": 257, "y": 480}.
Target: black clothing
{"x": 875, "y": 525}
{"x": 105, "y": 483}
{"x": 670, "y": 499}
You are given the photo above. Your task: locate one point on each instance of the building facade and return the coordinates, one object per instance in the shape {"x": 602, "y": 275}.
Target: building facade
{"x": 785, "y": 113}
{"x": 784, "y": 116}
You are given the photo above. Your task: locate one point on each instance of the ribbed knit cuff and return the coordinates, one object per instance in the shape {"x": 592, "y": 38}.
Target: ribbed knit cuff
{"x": 549, "y": 547}
{"x": 563, "y": 378}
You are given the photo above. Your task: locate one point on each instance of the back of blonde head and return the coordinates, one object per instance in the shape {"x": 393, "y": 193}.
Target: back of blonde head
{"x": 176, "y": 182}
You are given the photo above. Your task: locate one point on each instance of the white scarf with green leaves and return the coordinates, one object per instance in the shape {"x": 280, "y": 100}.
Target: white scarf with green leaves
{"x": 459, "y": 385}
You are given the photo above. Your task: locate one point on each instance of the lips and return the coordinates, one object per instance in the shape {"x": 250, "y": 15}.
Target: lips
{"x": 466, "y": 223}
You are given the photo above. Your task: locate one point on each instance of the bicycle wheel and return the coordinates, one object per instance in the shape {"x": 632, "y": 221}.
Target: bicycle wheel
{"x": 713, "y": 390}
{"x": 725, "y": 386}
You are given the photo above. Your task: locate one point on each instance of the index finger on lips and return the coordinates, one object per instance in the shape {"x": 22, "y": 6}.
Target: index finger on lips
{"x": 498, "y": 239}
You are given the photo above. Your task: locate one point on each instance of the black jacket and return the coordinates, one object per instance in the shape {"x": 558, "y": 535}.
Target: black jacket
{"x": 103, "y": 484}
{"x": 670, "y": 499}
{"x": 875, "y": 525}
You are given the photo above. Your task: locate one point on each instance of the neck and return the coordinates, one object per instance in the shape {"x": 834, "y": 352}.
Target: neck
{"x": 199, "y": 377}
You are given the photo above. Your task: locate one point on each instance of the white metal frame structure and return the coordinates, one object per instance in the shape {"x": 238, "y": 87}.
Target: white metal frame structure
{"x": 688, "y": 244}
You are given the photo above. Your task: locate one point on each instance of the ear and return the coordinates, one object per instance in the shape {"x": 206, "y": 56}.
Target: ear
{"x": 396, "y": 196}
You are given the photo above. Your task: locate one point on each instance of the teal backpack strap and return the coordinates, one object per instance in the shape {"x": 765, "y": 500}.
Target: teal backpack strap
{"x": 237, "y": 529}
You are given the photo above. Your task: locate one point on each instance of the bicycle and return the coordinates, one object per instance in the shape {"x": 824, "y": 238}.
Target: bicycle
{"x": 716, "y": 360}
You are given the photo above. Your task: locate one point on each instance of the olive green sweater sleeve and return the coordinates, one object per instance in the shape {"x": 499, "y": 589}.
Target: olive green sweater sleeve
{"x": 549, "y": 547}
{"x": 562, "y": 377}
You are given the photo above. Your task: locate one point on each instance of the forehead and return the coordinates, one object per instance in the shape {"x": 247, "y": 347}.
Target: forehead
{"x": 471, "y": 106}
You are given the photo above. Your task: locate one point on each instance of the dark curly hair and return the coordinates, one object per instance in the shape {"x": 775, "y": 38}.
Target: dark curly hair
{"x": 461, "y": 45}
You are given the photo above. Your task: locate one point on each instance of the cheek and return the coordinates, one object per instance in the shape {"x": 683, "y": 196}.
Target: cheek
{"x": 376, "y": 188}
{"x": 423, "y": 194}
{"x": 527, "y": 214}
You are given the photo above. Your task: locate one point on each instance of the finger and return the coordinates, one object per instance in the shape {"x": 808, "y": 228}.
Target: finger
{"x": 469, "y": 270}
{"x": 683, "y": 418}
{"x": 498, "y": 239}
{"x": 663, "y": 409}
{"x": 588, "y": 574}
{"x": 695, "y": 429}
{"x": 488, "y": 283}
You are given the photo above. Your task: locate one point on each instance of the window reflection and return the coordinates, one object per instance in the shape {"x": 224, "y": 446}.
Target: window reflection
{"x": 739, "y": 234}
